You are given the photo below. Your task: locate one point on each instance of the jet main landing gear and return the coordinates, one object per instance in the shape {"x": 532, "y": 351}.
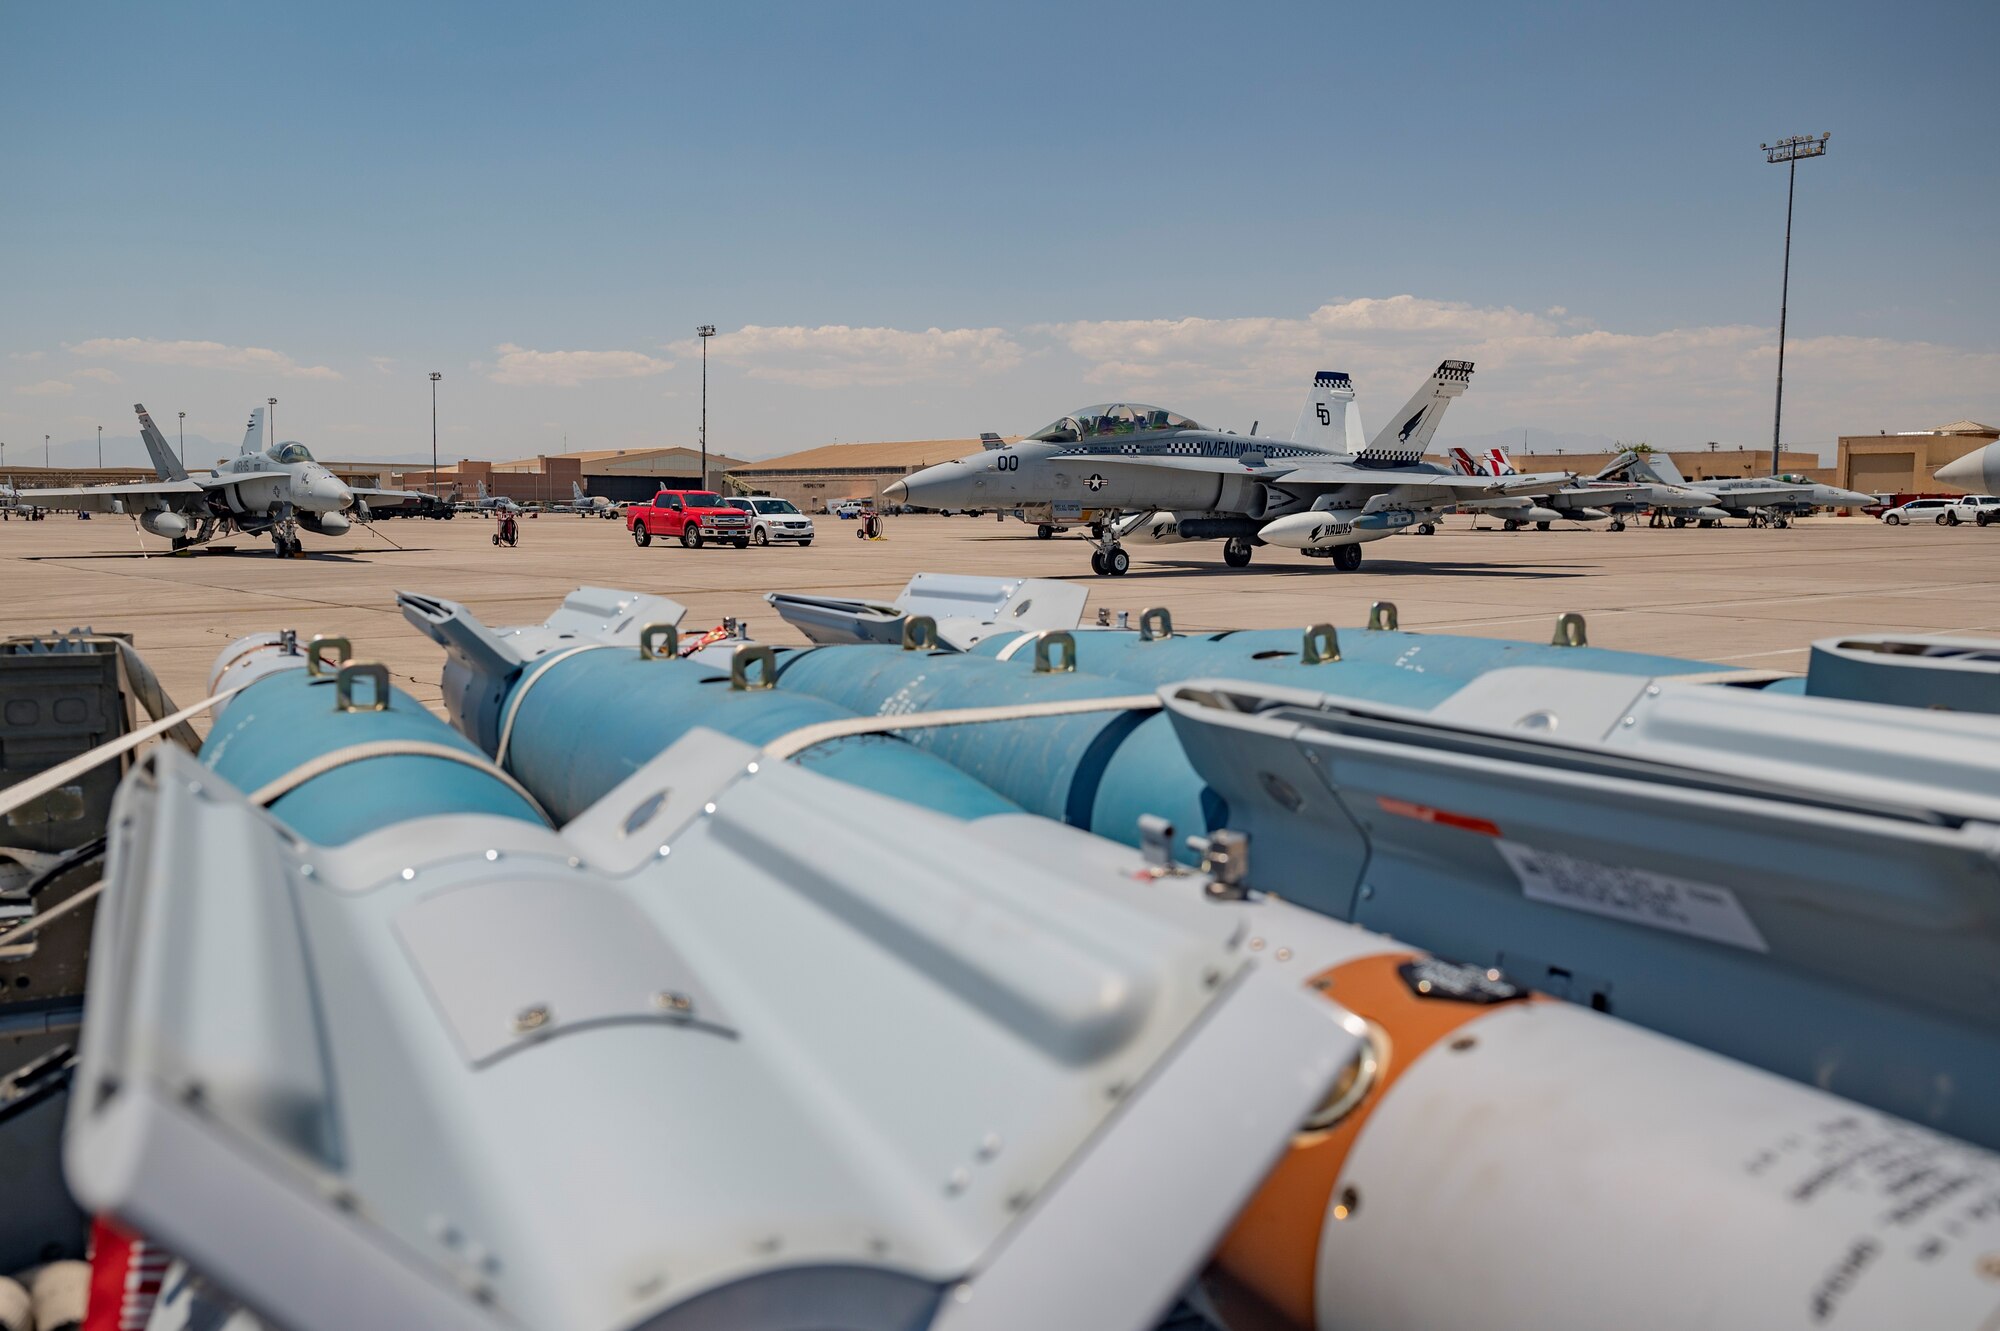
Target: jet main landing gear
{"x": 1236, "y": 552}
{"x": 1109, "y": 558}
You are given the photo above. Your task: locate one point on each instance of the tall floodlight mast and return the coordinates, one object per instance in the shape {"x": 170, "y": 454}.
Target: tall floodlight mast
{"x": 1788, "y": 152}
{"x": 704, "y": 332}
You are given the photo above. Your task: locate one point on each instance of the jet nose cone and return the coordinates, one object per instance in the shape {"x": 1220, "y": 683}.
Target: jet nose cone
{"x": 896, "y": 492}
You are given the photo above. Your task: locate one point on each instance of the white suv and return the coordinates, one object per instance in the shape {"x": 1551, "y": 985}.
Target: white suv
{"x": 774, "y": 520}
{"x": 1981, "y": 509}
{"x": 1918, "y": 510}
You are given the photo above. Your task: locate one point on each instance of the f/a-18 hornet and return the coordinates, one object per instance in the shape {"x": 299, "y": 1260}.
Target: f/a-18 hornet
{"x": 1144, "y": 473}
{"x": 275, "y": 489}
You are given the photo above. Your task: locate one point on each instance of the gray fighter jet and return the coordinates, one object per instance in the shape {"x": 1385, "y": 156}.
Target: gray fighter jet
{"x": 1763, "y": 501}
{"x": 1130, "y": 470}
{"x": 276, "y": 489}
{"x": 588, "y": 505}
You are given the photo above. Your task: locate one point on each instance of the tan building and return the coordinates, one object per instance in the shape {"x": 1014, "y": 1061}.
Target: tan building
{"x": 622, "y": 475}
{"x": 1906, "y": 463}
{"x": 826, "y": 475}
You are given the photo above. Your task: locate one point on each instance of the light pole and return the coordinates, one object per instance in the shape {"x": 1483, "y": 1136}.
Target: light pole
{"x": 1787, "y": 151}
{"x": 100, "y": 448}
{"x": 272, "y": 424}
{"x": 704, "y": 332}
{"x": 435, "y": 376}
{"x": 45, "y": 452}
{"x": 184, "y": 438}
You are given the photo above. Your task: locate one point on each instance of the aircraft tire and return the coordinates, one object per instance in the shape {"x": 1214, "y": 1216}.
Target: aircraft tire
{"x": 1347, "y": 558}
{"x": 1618, "y": 524}
{"x": 1680, "y": 521}
{"x": 1045, "y": 532}
{"x": 1541, "y": 526}
{"x": 640, "y": 536}
{"x": 1427, "y": 529}
{"x": 1510, "y": 524}
{"x": 1097, "y": 563}
{"x": 1117, "y": 562}
{"x": 1236, "y": 552}
{"x": 691, "y": 535}
{"x": 1783, "y": 522}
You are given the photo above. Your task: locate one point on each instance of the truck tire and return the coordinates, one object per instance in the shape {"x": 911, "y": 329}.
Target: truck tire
{"x": 691, "y": 535}
{"x": 741, "y": 542}
{"x": 640, "y": 536}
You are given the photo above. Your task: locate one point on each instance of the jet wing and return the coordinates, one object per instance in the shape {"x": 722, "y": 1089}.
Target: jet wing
{"x": 1331, "y": 474}
{"x": 387, "y": 498}
{"x": 113, "y": 498}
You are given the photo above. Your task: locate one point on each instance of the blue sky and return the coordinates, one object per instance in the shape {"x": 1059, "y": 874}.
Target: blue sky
{"x": 920, "y": 220}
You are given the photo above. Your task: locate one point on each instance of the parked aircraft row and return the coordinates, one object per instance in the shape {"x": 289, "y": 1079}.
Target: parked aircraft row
{"x": 1138, "y": 473}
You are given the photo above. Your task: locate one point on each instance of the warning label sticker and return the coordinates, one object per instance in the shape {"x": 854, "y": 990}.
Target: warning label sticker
{"x": 1639, "y": 896}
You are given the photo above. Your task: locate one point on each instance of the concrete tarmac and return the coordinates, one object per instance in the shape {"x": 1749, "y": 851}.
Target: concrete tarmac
{"x": 1749, "y": 597}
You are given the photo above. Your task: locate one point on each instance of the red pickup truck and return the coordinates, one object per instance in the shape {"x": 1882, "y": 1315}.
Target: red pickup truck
{"x": 693, "y": 515}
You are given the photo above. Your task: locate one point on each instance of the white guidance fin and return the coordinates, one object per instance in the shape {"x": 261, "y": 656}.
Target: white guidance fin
{"x": 1409, "y": 431}
{"x": 1331, "y": 420}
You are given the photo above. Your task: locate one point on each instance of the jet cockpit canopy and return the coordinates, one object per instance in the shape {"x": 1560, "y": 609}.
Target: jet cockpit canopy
{"x": 1112, "y": 418}
{"x": 293, "y": 451}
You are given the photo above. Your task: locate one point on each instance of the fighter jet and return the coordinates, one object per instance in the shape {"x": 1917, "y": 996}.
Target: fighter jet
{"x": 1763, "y": 501}
{"x": 1586, "y": 501}
{"x": 587, "y": 505}
{"x": 1976, "y": 473}
{"x": 276, "y": 488}
{"x": 487, "y": 503}
{"x": 1130, "y": 470}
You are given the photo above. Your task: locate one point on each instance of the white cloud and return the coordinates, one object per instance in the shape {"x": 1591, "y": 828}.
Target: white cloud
{"x": 1550, "y": 369}
{"x": 99, "y": 373}
{"x": 47, "y": 388}
{"x": 837, "y": 356}
{"x": 567, "y": 369}
{"x": 24, "y": 355}
{"x": 200, "y": 356}
{"x": 383, "y": 363}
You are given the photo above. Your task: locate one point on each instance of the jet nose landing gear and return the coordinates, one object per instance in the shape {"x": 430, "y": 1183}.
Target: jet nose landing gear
{"x": 1112, "y": 562}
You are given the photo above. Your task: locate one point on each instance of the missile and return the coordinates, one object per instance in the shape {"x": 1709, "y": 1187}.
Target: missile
{"x": 160, "y": 522}
{"x": 1711, "y": 513}
{"x": 1317, "y": 529}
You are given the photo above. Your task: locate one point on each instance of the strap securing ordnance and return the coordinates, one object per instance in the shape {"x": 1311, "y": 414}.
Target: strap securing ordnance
{"x": 805, "y": 737}
{"x": 272, "y": 791}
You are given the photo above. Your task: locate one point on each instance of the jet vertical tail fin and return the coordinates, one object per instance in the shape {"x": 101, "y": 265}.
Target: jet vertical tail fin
{"x": 253, "y": 434}
{"x": 1465, "y": 464}
{"x": 576, "y": 491}
{"x": 1409, "y": 431}
{"x": 483, "y": 496}
{"x": 1500, "y": 463}
{"x": 164, "y": 462}
{"x": 1637, "y": 466}
{"x": 1330, "y": 420}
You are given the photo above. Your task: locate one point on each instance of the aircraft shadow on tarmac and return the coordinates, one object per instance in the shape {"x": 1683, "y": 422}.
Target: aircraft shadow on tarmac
{"x": 315, "y": 557}
{"x": 1373, "y": 568}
